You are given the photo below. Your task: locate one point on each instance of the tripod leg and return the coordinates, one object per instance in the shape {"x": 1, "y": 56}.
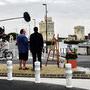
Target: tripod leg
{"x": 53, "y": 54}
{"x": 57, "y": 57}
{"x": 48, "y": 58}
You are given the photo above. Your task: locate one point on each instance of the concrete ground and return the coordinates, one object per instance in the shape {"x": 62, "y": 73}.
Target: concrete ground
{"x": 46, "y": 84}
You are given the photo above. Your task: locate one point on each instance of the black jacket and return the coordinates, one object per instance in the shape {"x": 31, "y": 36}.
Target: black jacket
{"x": 36, "y": 42}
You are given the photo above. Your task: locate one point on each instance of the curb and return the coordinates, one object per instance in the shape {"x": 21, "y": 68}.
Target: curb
{"x": 75, "y": 75}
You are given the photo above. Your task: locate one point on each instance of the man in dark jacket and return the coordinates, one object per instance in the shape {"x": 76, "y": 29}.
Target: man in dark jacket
{"x": 36, "y": 46}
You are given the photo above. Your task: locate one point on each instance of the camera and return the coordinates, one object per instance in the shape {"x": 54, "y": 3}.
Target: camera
{"x": 1, "y": 32}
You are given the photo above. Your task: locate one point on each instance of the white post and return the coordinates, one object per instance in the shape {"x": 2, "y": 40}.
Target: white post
{"x": 9, "y": 70}
{"x": 37, "y": 72}
{"x": 68, "y": 75}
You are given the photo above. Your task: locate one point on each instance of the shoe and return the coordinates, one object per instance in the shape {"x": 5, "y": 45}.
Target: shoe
{"x": 20, "y": 68}
{"x": 25, "y": 68}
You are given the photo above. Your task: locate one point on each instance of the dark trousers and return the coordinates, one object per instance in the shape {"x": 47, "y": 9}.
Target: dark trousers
{"x": 36, "y": 55}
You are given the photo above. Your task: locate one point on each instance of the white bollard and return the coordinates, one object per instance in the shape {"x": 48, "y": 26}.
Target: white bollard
{"x": 37, "y": 72}
{"x": 61, "y": 63}
{"x": 9, "y": 70}
{"x": 68, "y": 73}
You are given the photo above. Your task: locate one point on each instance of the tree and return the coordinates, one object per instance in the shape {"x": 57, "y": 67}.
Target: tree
{"x": 13, "y": 34}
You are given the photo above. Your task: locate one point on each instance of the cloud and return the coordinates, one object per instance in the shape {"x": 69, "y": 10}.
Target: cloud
{"x": 44, "y": 1}
{"x": 60, "y": 1}
{"x": 2, "y": 3}
{"x": 22, "y": 1}
{"x": 15, "y": 1}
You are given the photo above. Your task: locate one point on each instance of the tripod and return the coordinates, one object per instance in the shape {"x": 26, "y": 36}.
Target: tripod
{"x": 54, "y": 50}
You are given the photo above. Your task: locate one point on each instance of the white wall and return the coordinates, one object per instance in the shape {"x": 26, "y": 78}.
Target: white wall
{"x": 82, "y": 50}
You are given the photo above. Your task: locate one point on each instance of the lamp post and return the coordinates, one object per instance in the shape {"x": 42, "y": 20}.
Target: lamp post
{"x": 46, "y": 23}
{"x": 34, "y": 20}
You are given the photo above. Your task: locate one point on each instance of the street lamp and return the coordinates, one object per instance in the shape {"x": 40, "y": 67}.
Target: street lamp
{"x": 34, "y": 20}
{"x": 46, "y": 23}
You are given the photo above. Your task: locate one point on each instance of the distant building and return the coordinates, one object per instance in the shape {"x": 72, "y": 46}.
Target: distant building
{"x": 79, "y": 32}
{"x": 72, "y": 37}
{"x": 50, "y": 28}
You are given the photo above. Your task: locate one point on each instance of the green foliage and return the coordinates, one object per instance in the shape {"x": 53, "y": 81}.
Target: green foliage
{"x": 13, "y": 34}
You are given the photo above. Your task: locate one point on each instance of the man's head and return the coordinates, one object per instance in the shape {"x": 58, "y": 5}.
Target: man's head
{"x": 35, "y": 29}
{"x": 22, "y": 31}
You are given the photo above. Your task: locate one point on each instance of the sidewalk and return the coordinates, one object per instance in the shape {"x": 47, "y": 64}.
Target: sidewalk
{"x": 20, "y": 83}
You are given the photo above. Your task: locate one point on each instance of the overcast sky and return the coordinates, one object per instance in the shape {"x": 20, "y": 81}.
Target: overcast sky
{"x": 65, "y": 13}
